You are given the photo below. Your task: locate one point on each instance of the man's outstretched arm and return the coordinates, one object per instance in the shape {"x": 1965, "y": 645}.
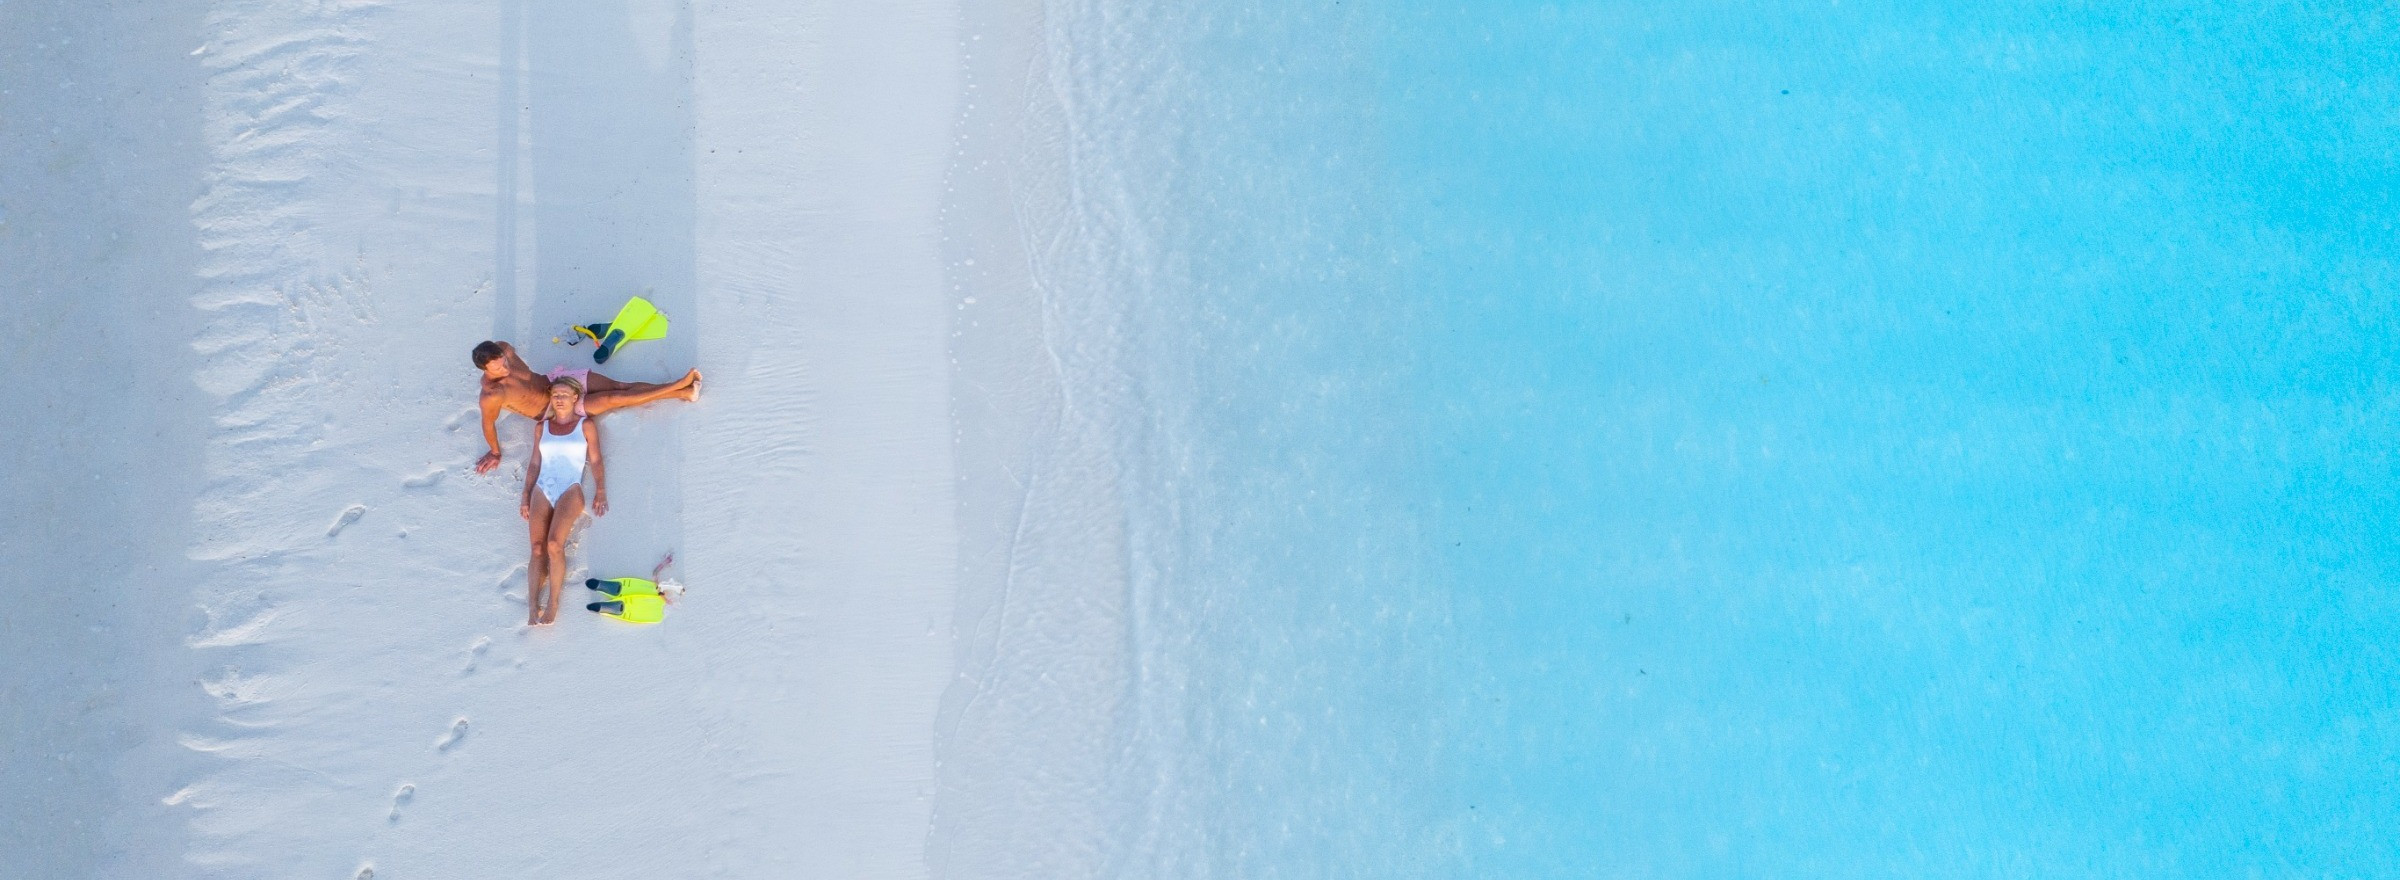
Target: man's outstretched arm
{"x": 491, "y": 434}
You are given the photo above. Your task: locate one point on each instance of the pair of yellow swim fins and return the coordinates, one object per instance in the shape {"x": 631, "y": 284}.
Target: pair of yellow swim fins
{"x": 637, "y": 320}
{"x": 632, "y": 600}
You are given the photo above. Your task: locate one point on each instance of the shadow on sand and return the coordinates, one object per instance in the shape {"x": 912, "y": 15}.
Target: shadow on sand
{"x": 595, "y": 204}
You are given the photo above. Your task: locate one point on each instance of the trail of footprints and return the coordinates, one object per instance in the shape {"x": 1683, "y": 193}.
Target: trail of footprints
{"x": 351, "y": 515}
{"x": 457, "y": 733}
{"x": 408, "y": 790}
{"x": 450, "y": 739}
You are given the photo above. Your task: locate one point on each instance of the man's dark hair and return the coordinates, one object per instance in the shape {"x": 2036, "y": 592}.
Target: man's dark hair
{"x": 485, "y": 352}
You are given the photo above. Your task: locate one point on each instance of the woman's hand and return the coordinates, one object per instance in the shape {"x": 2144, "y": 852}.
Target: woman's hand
{"x": 600, "y": 503}
{"x": 525, "y": 509}
{"x": 489, "y": 461}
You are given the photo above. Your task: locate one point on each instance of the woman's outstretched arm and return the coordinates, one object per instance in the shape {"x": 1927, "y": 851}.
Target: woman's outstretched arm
{"x": 591, "y": 462}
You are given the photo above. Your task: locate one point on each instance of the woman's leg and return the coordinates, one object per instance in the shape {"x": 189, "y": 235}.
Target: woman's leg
{"x": 537, "y": 569}
{"x": 562, "y": 523}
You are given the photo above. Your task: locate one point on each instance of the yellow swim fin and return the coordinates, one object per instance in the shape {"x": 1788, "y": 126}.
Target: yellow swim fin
{"x": 637, "y": 320}
{"x": 634, "y": 609}
{"x": 640, "y": 320}
{"x": 622, "y": 586}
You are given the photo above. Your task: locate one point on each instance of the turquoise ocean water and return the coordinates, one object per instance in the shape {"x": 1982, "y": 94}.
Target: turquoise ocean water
{"x": 1842, "y": 439}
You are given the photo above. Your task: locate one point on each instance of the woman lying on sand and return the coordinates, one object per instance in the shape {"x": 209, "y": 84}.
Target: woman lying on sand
{"x": 566, "y": 444}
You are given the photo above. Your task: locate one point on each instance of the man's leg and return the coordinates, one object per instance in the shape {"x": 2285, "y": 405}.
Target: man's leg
{"x": 632, "y": 394}
{"x": 600, "y": 384}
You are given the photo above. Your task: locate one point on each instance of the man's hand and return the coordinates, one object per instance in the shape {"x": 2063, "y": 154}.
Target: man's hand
{"x": 489, "y": 461}
{"x": 600, "y": 504}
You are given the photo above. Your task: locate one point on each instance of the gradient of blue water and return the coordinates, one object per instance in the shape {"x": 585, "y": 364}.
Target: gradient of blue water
{"x": 1758, "y": 439}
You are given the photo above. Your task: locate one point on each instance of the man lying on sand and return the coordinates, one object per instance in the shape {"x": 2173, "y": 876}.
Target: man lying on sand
{"x": 511, "y": 385}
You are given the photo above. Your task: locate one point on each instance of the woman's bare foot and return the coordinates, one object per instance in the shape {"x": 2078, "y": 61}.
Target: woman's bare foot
{"x": 691, "y": 386}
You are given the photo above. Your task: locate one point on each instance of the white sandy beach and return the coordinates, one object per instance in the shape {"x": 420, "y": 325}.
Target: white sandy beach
{"x": 266, "y": 620}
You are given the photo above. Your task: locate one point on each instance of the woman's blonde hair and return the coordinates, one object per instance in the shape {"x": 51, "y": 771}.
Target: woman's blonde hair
{"x": 568, "y": 381}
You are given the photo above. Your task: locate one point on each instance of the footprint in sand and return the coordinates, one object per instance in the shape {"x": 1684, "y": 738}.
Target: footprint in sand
{"x": 400, "y": 798}
{"x": 458, "y": 732}
{"x": 475, "y": 654}
{"x": 365, "y": 872}
{"x": 425, "y": 479}
{"x": 348, "y": 516}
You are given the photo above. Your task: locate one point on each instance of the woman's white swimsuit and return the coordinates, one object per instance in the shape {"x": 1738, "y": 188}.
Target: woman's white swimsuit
{"x": 562, "y": 461}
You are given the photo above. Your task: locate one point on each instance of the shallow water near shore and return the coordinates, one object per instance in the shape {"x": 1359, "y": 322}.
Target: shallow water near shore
{"x": 1859, "y": 440}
